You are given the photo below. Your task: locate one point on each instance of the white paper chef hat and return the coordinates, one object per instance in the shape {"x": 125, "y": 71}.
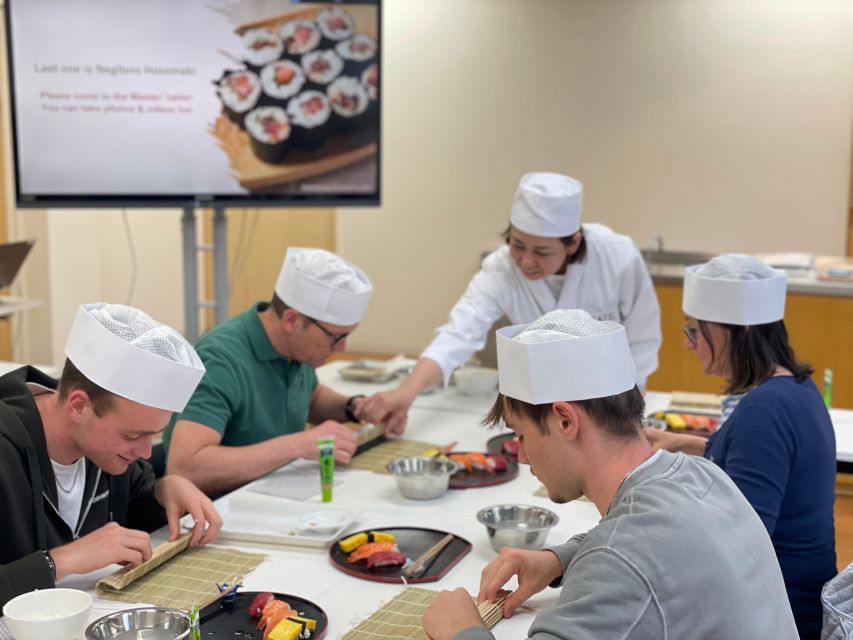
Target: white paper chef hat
{"x": 564, "y": 355}
{"x": 734, "y": 289}
{"x": 323, "y": 286}
{"x": 547, "y": 204}
{"x": 127, "y": 352}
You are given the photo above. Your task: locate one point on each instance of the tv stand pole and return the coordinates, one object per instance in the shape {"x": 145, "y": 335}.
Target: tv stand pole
{"x": 192, "y": 303}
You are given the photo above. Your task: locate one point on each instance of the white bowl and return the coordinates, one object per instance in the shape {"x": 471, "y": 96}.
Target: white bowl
{"x": 474, "y": 381}
{"x": 58, "y": 614}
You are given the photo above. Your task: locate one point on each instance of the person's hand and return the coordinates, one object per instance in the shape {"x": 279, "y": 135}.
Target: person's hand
{"x": 178, "y": 496}
{"x": 390, "y": 408}
{"x": 535, "y": 571}
{"x": 450, "y": 613}
{"x": 345, "y": 442}
{"x": 111, "y": 544}
{"x": 675, "y": 442}
{"x": 658, "y": 438}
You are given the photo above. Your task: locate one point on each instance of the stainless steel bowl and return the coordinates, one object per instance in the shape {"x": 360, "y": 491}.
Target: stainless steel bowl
{"x": 520, "y": 526}
{"x": 148, "y": 623}
{"x": 422, "y": 478}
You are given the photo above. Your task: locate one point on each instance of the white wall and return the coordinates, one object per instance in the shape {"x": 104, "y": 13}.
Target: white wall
{"x": 722, "y": 125}
{"x": 84, "y": 256}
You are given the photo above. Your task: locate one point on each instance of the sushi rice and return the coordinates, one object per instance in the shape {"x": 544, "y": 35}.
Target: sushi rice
{"x": 299, "y": 36}
{"x": 262, "y": 46}
{"x": 282, "y": 79}
{"x": 322, "y": 67}
{"x": 335, "y": 24}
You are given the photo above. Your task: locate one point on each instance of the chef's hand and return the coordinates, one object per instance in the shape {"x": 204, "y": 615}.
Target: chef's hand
{"x": 389, "y": 408}
{"x": 450, "y": 613}
{"x": 345, "y": 443}
{"x": 535, "y": 571}
{"x": 111, "y": 544}
{"x": 178, "y": 496}
{"x": 675, "y": 442}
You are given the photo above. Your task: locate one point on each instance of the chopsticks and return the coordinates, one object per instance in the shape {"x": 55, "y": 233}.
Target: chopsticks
{"x": 419, "y": 566}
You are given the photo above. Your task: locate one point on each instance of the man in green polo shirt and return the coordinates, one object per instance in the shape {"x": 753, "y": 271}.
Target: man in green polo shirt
{"x": 248, "y": 415}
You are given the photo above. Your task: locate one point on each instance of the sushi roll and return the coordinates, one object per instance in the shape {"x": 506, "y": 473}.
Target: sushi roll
{"x": 239, "y": 92}
{"x": 298, "y": 37}
{"x": 321, "y": 67}
{"x": 309, "y": 112}
{"x": 336, "y": 25}
{"x": 269, "y": 133}
{"x": 349, "y": 101}
{"x": 370, "y": 82}
{"x": 282, "y": 80}
{"x": 262, "y": 46}
{"x": 357, "y": 53}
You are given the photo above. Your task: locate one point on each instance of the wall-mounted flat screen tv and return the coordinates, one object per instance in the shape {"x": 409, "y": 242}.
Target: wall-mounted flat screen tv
{"x": 173, "y": 102}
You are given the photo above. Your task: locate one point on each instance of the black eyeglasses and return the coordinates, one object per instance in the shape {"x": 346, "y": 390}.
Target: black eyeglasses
{"x": 692, "y": 333}
{"x": 335, "y": 338}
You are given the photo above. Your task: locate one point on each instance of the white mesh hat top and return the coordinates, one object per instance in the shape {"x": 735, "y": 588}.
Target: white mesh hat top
{"x": 127, "y": 352}
{"x": 564, "y": 355}
{"x": 734, "y": 289}
{"x": 548, "y": 205}
{"x": 323, "y": 286}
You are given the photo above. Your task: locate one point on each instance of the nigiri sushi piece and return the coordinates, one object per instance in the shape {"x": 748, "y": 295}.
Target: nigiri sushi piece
{"x": 274, "y": 608}
{"x": 385, "y": 559}
{"x": 511, "y": 446}
{"x": 496, "y": 462}
{"x": 365, "y": 550}
{"x": 462, "y": 460}
{"x": 352, "y": 543}
{"x": 256, "y": 608}
{"x": 478, "y": 461}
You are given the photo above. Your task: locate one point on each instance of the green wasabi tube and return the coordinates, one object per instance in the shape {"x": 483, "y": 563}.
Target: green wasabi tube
{"x": 327, "y": 465}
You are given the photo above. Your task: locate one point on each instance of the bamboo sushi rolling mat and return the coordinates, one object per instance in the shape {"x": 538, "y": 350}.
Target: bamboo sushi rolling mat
{"x": 179, "y": 577}
{"x": 400, "y": 618}
{"x": 377, "y": 458}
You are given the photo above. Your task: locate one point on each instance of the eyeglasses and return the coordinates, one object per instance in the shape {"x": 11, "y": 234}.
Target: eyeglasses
{"x": 692, "y": 333}
{"x": 335, "y": 338}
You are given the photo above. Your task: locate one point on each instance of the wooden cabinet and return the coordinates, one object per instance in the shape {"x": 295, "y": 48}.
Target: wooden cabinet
{"x": 820, "y": 329}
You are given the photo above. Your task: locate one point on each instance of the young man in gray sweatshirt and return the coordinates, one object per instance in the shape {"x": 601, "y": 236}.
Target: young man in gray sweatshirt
{"x": 674, "y": 528}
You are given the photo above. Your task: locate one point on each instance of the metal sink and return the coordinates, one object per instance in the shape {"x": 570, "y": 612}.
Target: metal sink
{"x": 675, "y": 257}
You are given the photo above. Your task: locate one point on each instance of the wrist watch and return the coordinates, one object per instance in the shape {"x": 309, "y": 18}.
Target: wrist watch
{"x": 348, "y": 410}
{"x": 51, "y": 564}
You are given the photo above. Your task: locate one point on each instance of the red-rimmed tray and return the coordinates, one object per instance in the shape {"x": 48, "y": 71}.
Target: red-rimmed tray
{"x": 231, "y": 620}
{"x": 496, "y": 445}
{"x": 413, "y": 542}
{"x": 473, "y": 479}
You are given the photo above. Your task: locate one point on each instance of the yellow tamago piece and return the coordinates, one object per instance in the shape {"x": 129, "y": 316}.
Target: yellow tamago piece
{"x": 285, "y": 630}
{"x": 309, "y": 623}
{"x": 435, "y": 452}
{"x": 352, "y": 543}
{"x": 675, "y": 421}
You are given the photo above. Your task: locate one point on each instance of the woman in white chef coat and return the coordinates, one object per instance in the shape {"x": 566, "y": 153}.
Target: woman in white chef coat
{"x": 549, "y": 262}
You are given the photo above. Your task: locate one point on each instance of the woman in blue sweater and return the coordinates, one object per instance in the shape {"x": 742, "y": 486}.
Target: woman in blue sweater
{"x": 776, "y": 439}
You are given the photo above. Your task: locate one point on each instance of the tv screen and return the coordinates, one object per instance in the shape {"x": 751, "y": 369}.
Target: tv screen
{"x": 240, "y": 102}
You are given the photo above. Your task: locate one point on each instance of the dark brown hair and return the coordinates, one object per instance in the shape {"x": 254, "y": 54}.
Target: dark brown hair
{"x": 71, "y": 379}
{"x": 755, "y": 352}
{"x": 577, "y": 256}
{"x": 619, "y": 417}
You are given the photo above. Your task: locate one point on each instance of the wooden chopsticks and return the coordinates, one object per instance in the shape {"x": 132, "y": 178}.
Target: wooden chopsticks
{"x": 419, "y": 566}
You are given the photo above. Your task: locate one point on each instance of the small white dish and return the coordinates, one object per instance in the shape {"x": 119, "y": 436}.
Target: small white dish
{"x": 322, "y": 522}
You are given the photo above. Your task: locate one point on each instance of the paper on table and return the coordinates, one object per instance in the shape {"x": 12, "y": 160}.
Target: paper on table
{"x": 300, "y": 482}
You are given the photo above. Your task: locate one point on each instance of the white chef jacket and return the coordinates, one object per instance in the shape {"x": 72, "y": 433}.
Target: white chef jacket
{"x": 612, "y": 283}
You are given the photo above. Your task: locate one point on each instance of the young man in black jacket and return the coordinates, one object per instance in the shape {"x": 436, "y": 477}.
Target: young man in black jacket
{"x": 75, "y": 495}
